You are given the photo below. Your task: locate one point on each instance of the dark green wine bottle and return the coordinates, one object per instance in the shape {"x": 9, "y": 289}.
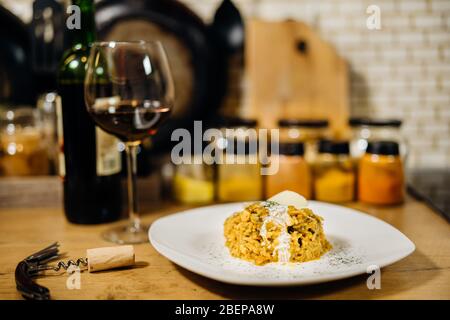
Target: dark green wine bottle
{"x": 91, "y": 161}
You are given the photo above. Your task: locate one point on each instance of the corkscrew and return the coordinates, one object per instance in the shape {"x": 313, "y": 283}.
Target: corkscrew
{"x": 64, "y": 265}
{"x": 97, "y": 259}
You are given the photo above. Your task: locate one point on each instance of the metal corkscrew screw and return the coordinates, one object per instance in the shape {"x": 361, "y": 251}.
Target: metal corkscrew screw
{"x": 66, "y": 265}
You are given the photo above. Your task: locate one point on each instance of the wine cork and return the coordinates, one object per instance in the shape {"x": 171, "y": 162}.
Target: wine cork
{"x": 110, "y": 258}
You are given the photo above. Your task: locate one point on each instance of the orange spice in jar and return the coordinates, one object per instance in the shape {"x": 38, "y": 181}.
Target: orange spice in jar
{"x": 381, "y": 177}
{"x": 293, "y": 171}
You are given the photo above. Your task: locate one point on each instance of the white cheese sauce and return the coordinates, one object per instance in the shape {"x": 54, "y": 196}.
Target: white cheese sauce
{"x": 279, "y": 215}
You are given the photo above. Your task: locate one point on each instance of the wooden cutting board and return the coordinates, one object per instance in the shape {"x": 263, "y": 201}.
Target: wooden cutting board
{"x": 292, "y": 73}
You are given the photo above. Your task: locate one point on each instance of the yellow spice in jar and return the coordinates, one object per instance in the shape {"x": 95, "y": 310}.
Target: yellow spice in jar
{"x": 193, "y": 191}
{"x": 334, "y": 185}
{"x": 239, "y": 182}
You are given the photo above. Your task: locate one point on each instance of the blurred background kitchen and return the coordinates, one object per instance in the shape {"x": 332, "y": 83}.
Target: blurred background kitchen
{"x": 314, "y": 69}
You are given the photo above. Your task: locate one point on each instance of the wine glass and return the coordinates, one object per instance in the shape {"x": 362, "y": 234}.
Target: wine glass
{"x": 129, "y": 92}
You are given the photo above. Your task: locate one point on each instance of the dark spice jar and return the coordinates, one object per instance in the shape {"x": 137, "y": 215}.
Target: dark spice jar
{"x": 381, "y": 176}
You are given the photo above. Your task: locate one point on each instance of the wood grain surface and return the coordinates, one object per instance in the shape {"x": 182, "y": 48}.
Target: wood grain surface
{"x": 294, "y": 74}
{"x": 425, "y": 274}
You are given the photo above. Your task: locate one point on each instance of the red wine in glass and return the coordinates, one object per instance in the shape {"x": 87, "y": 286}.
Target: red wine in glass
{"x": 130, "y": 121}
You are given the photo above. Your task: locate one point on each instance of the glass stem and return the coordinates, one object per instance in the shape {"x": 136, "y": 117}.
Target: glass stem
{"x": 135, "y": 221}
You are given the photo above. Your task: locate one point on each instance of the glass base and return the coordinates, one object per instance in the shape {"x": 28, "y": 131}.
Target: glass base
{"x": 127, "y": 234}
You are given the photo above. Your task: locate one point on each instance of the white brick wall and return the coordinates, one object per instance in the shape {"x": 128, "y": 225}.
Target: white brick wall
{"x": 402, "y": 70}
{"x": 412, "y": 6}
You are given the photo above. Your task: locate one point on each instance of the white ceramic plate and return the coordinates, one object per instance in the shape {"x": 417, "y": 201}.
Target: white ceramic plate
{"x": 194, "y": 240}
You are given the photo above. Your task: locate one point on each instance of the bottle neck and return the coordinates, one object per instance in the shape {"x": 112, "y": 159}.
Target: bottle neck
{"x": 86, "y": 34}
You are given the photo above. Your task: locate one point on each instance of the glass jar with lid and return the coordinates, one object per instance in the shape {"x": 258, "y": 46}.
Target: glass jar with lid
{"x": 364, "y": 130}
{"x": 308, "y": 131}
{"x": 334, "y": 174}
{"x": 381, "y": 176}
{"x": 293, "y": 171}
{"x": 239, "y": 171}
{"x": 23, "y": 149}
{"x": 193, "y": 181}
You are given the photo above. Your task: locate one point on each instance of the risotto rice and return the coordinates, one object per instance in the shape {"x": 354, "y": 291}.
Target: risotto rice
{"x": 269, "y": 232}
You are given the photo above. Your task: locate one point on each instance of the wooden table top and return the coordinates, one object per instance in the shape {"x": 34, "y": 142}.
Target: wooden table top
{"x": 425, "y": 274}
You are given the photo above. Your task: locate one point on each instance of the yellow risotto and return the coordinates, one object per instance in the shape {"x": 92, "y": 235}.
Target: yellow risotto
{"x": 270, "y": 232}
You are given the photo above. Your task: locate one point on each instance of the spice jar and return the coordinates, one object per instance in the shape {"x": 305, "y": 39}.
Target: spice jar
{"x": 23, "y": 150}
{"x": 381, "y": 177}
{"x": 334, "y": 174}
{"x": 364, "y": 130}
{"x": 239, "y": 171}
{"x": 293, "y": 171}
{"x": 308, "y": 131}
{"x": 193, "y": 181}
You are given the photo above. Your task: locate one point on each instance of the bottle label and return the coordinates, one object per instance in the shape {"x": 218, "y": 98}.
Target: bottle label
{"x": 108, "y": 155}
